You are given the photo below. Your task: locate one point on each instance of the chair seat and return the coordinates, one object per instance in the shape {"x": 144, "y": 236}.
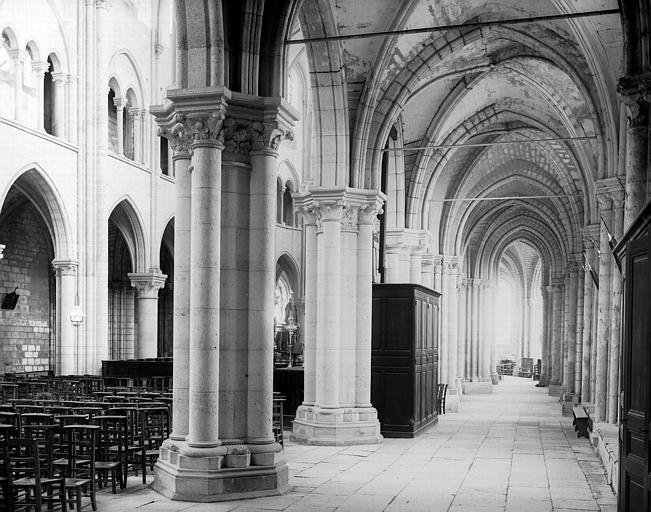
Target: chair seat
{"x": 77, "y": 482}
{"x": 107, "y": 464}
{"x": 30, "y": 482}
{"x": 151, "y": 453}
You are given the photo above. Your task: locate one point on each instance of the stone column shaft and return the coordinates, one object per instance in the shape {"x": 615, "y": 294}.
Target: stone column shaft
{"x": 475, "y": 328}
{"x": 461, "y": 328}
{"x": 615, "y": 312}
{"x": 587, "y": 329}
{"x": 147, "y": 284}
{"x": 603, "y": 326}
{"x": 415, "y": 268}
{"x": 119, "y": 125}
{"x": 182, "y": 258}
{"x": 66, "y": 273}
{"x": 262, "y": 278}
{"x": 578, "y": 363}
{"x": 366, "y": 220}
{"x": 204, "y": 295}
{"x": 570, "y": 339}
{"x": 544, "y": 356}
{"x": 556, "y": 359}
{"x": 310, "y": 336}
{"x": 59, "y": 99}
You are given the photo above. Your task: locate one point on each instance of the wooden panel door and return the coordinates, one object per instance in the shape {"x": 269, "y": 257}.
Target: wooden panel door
{"x": 636, "y": 382}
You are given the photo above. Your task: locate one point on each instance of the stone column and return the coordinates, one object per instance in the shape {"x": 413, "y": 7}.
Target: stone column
{"x": 556, "y": 359}
{"x": 544, "y": 356}
{"x": 461, "y": 326}
{"x": 147, "y": 284}
{"x": 415, "y": 266}
{"x": 134, "y": 112}
{"x": 18, "y": 57}
{"x": 427, "y": 270}
{"x": 392, "y": 264}
{"x": 119, "y": 124}
{"x": 310, "y": 335}
{"x": 59, "y": 98}
{"x": 367, "y": 216}
{"x": 180, "y": 141}
{"x": 635, "y": 92}
{"x": 262, "y": 280}
{"x": 578, "y": 363}
{"x": 570, "y": 338}
{"x": 444, "y": 342}
{"x": 39, "y": 69}
{"x": 476, "y": 287}
{"x": 617, "y": 197}
{"x": 589, "y": 286}
{"x": 526, "y": 324}
{"x": 438, "y": 271}
{"x": 342, "y": 413}
{"x": 203, "y": 432}
{"x": 66, "y": 282}
{"x": 603, "y": 326}
{"x": 484, "y": 335}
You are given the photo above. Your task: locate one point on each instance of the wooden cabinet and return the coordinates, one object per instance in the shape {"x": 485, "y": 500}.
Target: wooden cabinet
{"x": 404, "y": 357}
{"x": 635, "y": 379}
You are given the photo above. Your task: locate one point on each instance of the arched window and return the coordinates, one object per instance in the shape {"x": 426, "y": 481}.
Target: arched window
{"x": 279, "y": 201}
{"x": 112, "y": 122}
{"x": 48, "y": 98}
{"x": 288, "y": 206}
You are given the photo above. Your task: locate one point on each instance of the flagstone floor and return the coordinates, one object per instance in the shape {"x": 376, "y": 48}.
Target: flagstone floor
{"x": 510, "y": 451}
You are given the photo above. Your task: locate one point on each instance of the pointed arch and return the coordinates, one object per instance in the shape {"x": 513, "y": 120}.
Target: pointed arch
{"x": 128, "y": 220}
{"x": 40, "y": 189}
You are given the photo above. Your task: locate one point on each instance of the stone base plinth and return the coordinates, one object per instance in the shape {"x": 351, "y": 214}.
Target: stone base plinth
{"x": 477, "y": 388}
{"x": 335, "y": 427}
{"x": 207, "y": 479}
{"x": 554, "y": 390}
{"x": 605, "y": 441}
{"x": 452, "y": 400}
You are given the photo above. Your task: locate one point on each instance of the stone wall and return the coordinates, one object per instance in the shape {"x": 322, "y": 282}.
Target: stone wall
{"x": 25, "y": 332}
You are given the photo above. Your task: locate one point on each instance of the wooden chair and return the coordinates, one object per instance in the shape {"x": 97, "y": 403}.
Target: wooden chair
{"x": 80, "y": 471}
{"x": 112, "y": 450}
{"x": 153, "y": 431}
{"x": 30, "y": 484}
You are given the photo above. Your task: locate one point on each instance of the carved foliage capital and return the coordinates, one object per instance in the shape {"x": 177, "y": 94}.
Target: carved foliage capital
{"x": 605, "y": 201}
{"x": 242, "y": 136}
{"x": 147, "y": 284}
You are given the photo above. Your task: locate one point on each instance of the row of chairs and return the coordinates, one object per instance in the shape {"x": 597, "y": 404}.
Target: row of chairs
{"x": 112, "y": 445}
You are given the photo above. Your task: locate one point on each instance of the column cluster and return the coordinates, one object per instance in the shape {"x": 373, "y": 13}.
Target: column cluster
{"x": 338, "y": 299}
{"x": 225, "y": 153}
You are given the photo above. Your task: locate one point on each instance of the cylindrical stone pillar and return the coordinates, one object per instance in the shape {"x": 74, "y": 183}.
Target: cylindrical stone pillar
{"x": 603, "y": 326}
{"x": 66, "y": 276}
{"x": 309, "y": 336}
{"x": 476, "y": 287}
{"x": 570, "y": 339}
{"x": 119, "y": 125}
{"x": 182, "y": 257}
{"x": 587, "y": 324}
{"x": 556, "y": 361}
{"x": 578, "y": 363}
{"x": 329, "y": 255}
{"x": 204, "y": 294}
{"x": 147, "y": 284}
{"x": 615, "y": 311}
{"x": 366, "y": 220}
{"x": 415, "y": 267}
{"x": 461, "y": 327}
{"x": 544, "y": 355}
{"x": 262, "y": 278}
{"x": 392, "y": 264}
{"x": 58, "y": 122}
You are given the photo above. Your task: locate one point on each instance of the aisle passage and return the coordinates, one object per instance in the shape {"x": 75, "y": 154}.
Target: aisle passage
{"x": 509, "y": 451}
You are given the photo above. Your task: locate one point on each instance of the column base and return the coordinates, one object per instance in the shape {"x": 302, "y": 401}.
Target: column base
{"x": 336, "y": 427}
{"x": 477, "y": 388}
{"x": 452, "y": 400}
{"x": 495, "y": 380}
{"x": 218, "y": 478}
{"x": 554, "y": 390}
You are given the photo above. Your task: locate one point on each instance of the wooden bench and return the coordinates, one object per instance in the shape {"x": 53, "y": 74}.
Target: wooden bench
{"x": 581, "y": 420}
{"x": 441, "y": 392}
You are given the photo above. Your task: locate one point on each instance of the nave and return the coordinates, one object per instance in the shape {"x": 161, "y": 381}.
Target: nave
{"x": 506, "y": 451}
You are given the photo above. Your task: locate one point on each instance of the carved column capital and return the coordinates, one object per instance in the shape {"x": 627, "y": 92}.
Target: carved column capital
{"x": 65, "y": 267}
{"x": 617, "y": 197}
{"x": 268, "y": 135}
{"x": 635, "y": 90}
{"x": 40, "y": 67}
{"x": 147, "y": 283}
